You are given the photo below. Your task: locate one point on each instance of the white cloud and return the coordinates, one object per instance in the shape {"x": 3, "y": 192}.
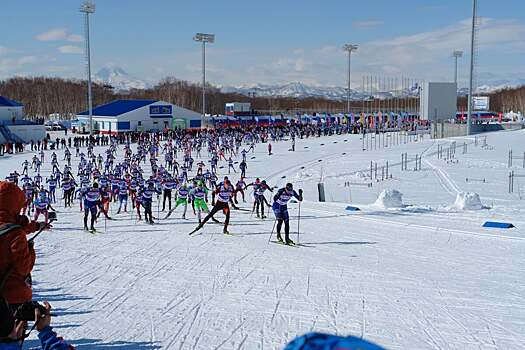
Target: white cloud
{"x": 8, "y": 65}
{"x": 70, "y": 49}
{"x": 425, "y": 55}
{"x": 367, "y": 24}
{"x": 58, "y": 34}
{"x": 75, "y": 38}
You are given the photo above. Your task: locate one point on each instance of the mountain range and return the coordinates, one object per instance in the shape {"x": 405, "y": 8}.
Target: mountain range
{"x": 120, "y": 80}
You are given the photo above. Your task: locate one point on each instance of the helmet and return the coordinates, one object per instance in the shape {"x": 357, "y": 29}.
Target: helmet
{"x": 289, "y": 187}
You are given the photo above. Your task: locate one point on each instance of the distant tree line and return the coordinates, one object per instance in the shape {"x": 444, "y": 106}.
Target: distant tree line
{"x": 43, "y": 96}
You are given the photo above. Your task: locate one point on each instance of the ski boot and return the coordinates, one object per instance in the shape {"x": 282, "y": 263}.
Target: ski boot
{"x": 288, "y": 241}
{"x": 279, "y": 238}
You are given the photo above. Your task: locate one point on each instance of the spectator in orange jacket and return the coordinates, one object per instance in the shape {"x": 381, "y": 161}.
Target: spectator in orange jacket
{"x": 17, "y": 256}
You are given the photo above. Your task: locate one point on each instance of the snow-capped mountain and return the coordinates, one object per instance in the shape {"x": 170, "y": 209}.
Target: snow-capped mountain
{"x": 119, "y": 79}
{"x": 293, "y": 89}
{"x": 300, "y": 90}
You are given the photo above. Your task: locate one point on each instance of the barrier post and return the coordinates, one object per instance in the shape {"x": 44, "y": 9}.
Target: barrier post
{"x": 320, "y": 189}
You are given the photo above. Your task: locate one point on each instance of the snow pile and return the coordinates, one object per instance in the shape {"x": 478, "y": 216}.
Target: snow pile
{"x": 360, "y": 175}
{"x": 390, "y": 199}
{"x": 305, "y": 175}
{"x": 468, "y": 201}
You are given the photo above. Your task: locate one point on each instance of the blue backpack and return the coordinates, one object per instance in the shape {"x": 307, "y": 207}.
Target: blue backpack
{"x": 320, "y": 341}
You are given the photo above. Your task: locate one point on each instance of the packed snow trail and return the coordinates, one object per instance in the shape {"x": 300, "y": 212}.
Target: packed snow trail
{"x": 421, "y": 277}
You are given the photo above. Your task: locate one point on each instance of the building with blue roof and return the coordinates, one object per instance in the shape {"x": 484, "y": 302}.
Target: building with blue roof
{"x": 138, "y": 115}
{"x": 10, "y": 109}
{"x": 13, "y": 127}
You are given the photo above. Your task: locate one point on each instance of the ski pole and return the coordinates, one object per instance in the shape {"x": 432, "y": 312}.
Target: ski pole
{"x": 298, "y": 222}
{"x": 31, "y": 240}
{"x": 271, "y": 233}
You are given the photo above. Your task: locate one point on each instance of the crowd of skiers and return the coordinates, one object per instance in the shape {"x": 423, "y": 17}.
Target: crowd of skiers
{"x": 129, "y": 174}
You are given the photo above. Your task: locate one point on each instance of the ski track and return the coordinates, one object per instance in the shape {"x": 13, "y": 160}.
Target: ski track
{"x": 402, "y": 279}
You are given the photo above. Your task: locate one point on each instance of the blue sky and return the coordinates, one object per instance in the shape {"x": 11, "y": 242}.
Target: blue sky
{"x": 263, "y": 41}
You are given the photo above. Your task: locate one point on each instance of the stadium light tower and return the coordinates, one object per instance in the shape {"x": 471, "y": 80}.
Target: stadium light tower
{"x": 456, "y": 55}
{"x": 471, "y": 75}
{"x": 204, "y": 38}
{"x": 87, "y": 8}
{"x": 349, "y": 48}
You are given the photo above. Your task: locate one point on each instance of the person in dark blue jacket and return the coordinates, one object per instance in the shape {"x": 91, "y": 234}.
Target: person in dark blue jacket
{"x": 12, "y": 331}
{"x": 280, "y": 209}
{"x": 92, "y": 196}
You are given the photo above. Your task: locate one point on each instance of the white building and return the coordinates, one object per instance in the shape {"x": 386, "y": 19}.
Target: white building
{"x": 13, "y": 128}
{"x": 438, "y": 101}
{"x": 138, "y": 115}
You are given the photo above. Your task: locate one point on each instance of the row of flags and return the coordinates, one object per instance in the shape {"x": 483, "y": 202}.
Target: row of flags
{"x": 352, "y": 118}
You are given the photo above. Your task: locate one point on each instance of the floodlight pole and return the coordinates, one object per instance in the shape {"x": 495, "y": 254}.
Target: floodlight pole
{"x": 471, "y": 77}
{"x": 204, "y": 38}
{"x": 456, "y": 55}
{"x": 349, "y": 48}
{"x": 203, "y": 81}
{"x": 87, "y": 8}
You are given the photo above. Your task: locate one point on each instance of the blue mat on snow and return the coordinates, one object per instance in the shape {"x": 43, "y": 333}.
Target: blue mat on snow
{"x": 495, "y": 224}
{"x": 352, "y": 208}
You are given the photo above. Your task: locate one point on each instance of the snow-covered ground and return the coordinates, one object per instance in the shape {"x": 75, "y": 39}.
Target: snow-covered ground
{"x": 423, "y": 275}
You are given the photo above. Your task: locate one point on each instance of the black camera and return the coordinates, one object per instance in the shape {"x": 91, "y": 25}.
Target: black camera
{"x": 52, "y": 216}
{"x": 26, "y": 311}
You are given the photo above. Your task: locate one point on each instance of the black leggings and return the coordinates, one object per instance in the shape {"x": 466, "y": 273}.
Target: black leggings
{"x": 286, "y": 227}
{"x": 219, "y": 206}
{"x": 148, "y": 215}
{"x": 167, "y": 195}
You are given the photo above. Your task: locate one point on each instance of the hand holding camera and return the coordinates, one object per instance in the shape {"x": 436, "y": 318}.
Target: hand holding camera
{"x": 44, "y": 319}
{"x": 29, "y": 310}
